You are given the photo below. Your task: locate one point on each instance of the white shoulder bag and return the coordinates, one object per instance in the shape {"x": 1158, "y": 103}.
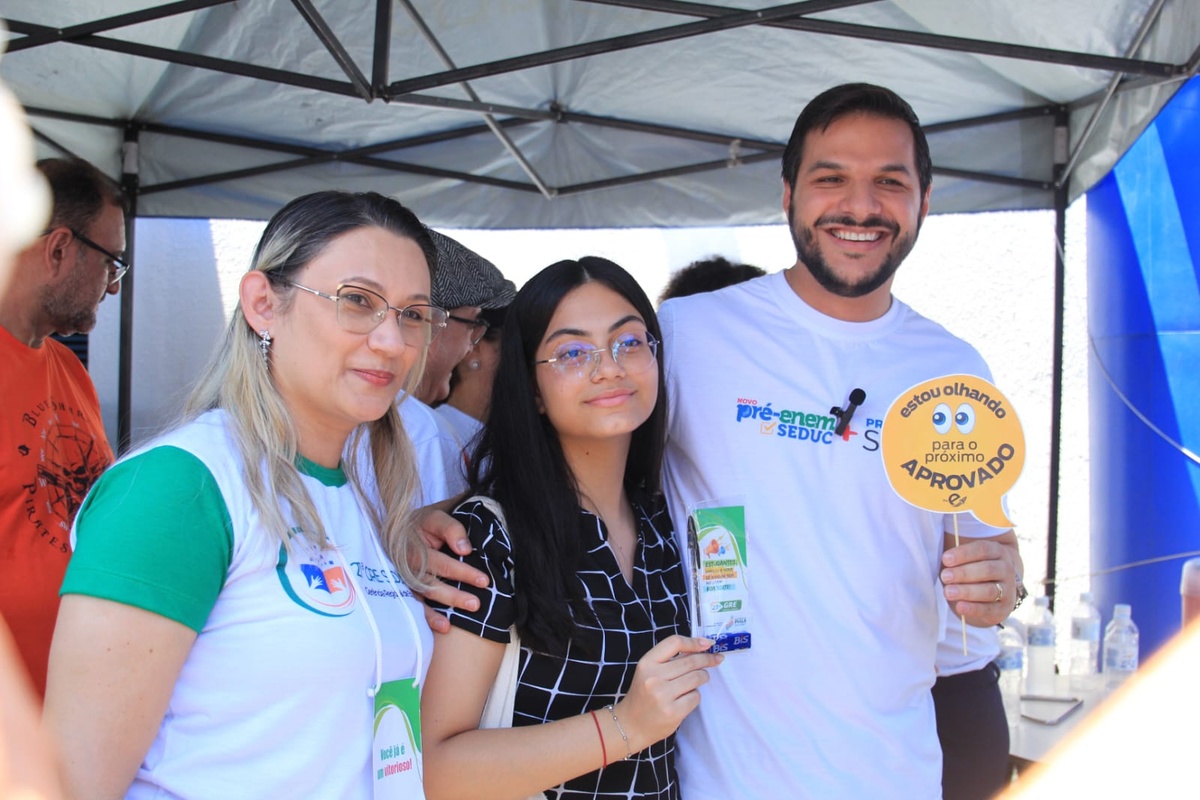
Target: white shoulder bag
{"x": 498, "y": 710}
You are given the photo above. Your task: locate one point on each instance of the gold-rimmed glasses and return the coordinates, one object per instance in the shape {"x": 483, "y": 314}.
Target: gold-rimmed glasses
{"x": 361, "y": 310}
{"x": 632, "y": 351}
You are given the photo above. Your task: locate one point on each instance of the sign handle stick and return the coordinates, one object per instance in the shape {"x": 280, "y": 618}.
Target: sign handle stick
{"x": 961, "y": 620}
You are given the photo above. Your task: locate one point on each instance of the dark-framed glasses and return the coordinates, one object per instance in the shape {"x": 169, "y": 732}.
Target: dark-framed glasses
{"x": 361, "y": 310}
{"x": 479, "y": 327}
{"x": 633, "y": 352}
{"x": 117, "y": 265}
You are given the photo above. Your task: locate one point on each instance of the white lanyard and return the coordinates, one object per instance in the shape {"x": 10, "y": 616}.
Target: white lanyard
{"x": 366, "y": 606}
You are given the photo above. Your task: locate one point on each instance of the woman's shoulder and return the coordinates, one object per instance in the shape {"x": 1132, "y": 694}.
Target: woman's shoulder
{"x": 203, "y": 437}
{"x": 162, "y": 469}
{"x": 483, "y": 518}
{"x": 480, "y": 505}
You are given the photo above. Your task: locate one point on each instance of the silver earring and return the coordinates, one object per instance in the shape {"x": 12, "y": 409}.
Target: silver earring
{"x": 473, "y": 365}
{"x": 264, "y": 345}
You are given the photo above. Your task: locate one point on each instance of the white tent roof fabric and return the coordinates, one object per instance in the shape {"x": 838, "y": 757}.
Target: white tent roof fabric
{"x": 624, "y": 119}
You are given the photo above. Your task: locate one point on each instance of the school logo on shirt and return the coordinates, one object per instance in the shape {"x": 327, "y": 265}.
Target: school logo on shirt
{"x": 314, "y": 579}
{"x": 797, "y": 427}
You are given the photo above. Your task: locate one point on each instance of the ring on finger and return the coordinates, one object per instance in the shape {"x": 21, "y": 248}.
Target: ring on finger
{"x": 999, "y": 592}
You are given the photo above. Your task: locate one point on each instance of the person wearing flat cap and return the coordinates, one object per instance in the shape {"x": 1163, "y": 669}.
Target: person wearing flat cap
{"x": 464, "y": 284}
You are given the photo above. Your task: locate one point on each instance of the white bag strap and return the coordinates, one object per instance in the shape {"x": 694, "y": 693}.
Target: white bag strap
{"x": 498, "y": 710}
{"x": 490, "y": 504}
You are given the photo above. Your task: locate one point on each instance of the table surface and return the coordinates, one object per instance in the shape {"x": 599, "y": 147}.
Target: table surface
{"x": 1032, "y": 741}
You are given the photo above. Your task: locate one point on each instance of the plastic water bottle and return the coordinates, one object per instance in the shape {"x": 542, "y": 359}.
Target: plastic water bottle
{"x": 1011, "y": 662}
{"x": 1039, "y": 679}
{"x": 1085, "y": 645}
{"x": 1120, "y": 647}
{"x": 1189, "y": 590}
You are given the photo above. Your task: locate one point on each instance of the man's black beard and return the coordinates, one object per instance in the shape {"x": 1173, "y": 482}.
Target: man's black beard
{"x": 810, "y": 255}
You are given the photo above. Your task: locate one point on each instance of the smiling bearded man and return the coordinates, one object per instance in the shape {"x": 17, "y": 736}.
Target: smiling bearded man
{"x": 848, "y": 589}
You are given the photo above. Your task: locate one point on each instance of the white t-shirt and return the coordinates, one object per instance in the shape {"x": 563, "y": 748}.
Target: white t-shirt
{"x": 832, "y": 699}
{"x": 433, "y": 462}
{"x": 454, "y": 446}
{"x": 983, "y": 645}
{"x": 465, "y": 428}
{"x": 273, "y": 699}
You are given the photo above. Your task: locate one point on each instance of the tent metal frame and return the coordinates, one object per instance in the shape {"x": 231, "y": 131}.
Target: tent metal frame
{"x": 1127, "y": 72}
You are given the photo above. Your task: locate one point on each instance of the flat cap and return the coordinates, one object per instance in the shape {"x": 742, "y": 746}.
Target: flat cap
{"x": 465, "y": 278}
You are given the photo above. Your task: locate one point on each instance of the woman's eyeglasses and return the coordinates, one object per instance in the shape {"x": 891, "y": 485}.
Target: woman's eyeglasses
{"x": 361, "y": 310}
{"x": 633, "y": 352}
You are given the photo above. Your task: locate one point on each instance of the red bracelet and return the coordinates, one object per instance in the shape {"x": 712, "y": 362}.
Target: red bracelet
{"x": 603, "y": 749}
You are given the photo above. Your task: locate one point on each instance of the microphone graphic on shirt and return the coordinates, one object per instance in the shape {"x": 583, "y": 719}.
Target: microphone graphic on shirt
{"x": 857, "y": 398}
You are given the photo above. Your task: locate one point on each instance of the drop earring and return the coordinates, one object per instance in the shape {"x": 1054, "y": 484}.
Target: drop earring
{"x": 264, "y": 345}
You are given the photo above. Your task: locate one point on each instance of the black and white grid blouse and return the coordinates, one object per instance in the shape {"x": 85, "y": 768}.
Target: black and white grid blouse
{"x": 631, "y": 621}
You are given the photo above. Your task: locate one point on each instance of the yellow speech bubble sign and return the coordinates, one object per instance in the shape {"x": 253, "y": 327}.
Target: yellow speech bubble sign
{"x": 952, "y": 444}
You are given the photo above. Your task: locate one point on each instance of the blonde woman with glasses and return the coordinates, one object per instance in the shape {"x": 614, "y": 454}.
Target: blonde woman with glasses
{"x": 238, "y": 618}
{"x": 577, "y": 542}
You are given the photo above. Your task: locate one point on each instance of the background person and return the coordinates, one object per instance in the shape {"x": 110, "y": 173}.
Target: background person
{"x": 27, "y": 768}
{"x": 52, "y": 443}
{"x": 466, "y": 409}
{"x": 585, "y": 567}
{"x": 235, "y": 602}
{"x": 466, "y": 283}
{"x": 707, "y": 275}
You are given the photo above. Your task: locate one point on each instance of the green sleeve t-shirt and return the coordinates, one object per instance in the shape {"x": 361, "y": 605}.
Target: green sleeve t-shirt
{"x": 154, "y": 533}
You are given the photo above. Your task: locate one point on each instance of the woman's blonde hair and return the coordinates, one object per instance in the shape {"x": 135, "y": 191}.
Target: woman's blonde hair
{"x": 238, "y": 380}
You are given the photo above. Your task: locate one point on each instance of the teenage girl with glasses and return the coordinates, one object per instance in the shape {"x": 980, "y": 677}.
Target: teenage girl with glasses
{"x": 583, "y": 563}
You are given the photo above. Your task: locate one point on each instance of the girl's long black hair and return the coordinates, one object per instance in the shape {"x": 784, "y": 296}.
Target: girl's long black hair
{"x": 520, "y": 462}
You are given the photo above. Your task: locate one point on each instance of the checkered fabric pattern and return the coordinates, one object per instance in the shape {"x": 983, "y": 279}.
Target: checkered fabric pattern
{"x": 632, "y": 619}
{"x": 465, "y": 278}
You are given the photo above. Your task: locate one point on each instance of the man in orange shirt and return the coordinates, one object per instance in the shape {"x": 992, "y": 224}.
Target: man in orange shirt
{"x": 52, "y": 442}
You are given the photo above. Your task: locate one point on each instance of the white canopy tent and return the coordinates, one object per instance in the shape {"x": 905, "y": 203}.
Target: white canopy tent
{"x": 570, "y": 113}
{"x": 580, "y": 113}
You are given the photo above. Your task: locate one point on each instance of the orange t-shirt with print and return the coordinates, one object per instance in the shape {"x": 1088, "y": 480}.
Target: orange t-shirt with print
{"x": 52, "y": 449}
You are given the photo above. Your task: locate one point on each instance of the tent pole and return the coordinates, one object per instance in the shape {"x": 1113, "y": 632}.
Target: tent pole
{"x": 381, "y": 57}
{"x": 739, "y": 18}
{"x": 505, "y": 140}
{"x": 1113, "y": 84}
{"x": 335, "y": 47}
{"x": 1061, "y": 187}
{"x": 129, "y": 185}
{"x": 50, "y": 36}
{"x": 984, "y": 47}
